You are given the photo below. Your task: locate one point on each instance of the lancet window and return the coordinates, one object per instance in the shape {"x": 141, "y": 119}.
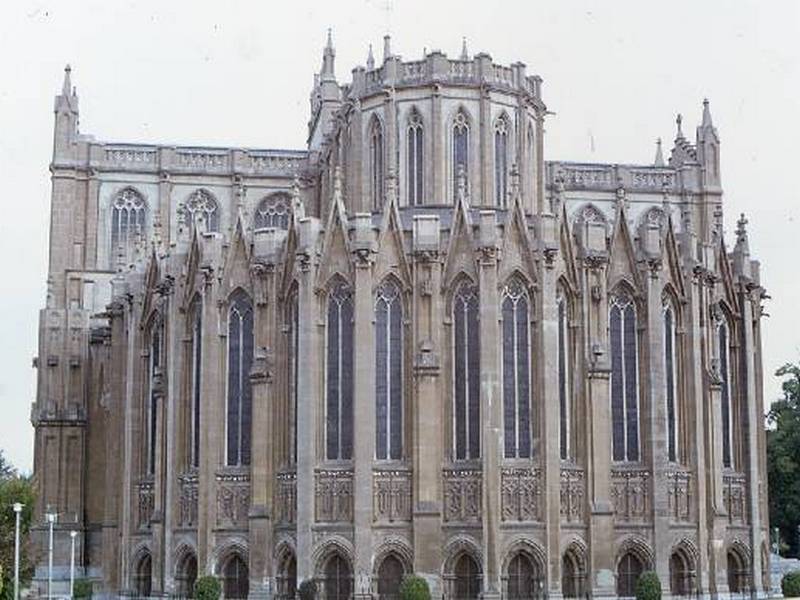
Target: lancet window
{"x": 565, "y": 381}
{"x": 501, "y": 161}
{"x": 723, "y": 335}
{"x": 273, "y": 211}
{"x": 202, "y": 205}
{"x": 155, "y": 360}
{"x": 671, "y": 381}
{"x": 466, "y": 373}
{"x": 128, "y": 213}
{"x": 339, "y": 374}
{"x": 516, "y": 371}
{"x": 460, "y": 150}
{"x": 239, "y": 392}
{"x": 376, "y": 163}
{"x": 196, "y": 316}
{"x": 389, "y": 372}
{"x": 293, "y": 359}
{"x": 624, "y": 377}
{"x": 414, "y": 168}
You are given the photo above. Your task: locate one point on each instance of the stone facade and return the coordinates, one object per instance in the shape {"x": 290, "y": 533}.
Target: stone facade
{"x": 414, "y": 346}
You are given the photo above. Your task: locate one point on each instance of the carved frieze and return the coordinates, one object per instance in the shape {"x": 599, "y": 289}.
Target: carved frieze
{"x": 333, "y": 491}
{"x": 146, "y": 503}
{"x": 734, "y": 496}
{"x": 630, "y": 494}
{"x": 520, "y": 497}
{"x": 286, "y": 501}
{"x": 233, "y": 500}
{"x": 391, "y": 495}
{"x": 462, "y": 495}
{"x": 679, "y": 495}
{"x": 188, "y": 500}
{"x": 573, "y": 492}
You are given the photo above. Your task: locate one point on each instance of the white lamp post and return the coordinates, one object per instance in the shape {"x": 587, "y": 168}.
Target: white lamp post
{"x": 18, "y": 512}
{"x": 72, "y": 535}
{"x": 51, "y": 519}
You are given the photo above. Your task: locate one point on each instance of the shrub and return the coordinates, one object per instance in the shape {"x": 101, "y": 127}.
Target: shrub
{"x": 414, "y": 587}
{"x": 790, "y": 584}
{"x": 82, "y": 589}
{"x": 307, "y": 590}
{"x": 648, "y": 586}
{"x": 207, "y": 587}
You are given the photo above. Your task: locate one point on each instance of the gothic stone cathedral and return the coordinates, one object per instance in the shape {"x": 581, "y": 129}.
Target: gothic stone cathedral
{"x": 415, "y": 346}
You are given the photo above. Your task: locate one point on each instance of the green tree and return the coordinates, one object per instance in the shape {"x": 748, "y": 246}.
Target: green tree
{"x": 14, "y": 488}
{"x": 783, "y": 459}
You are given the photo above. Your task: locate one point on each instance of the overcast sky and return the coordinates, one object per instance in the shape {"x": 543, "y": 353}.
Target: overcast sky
{"x": 239, "y": 73}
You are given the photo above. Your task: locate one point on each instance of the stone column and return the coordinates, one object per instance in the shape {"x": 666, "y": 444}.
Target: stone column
{"x": 435, "y": 190}
{"x": 482, "y": 180}
{"x": 427, "y": 406}
{"x": 491, "y": 403}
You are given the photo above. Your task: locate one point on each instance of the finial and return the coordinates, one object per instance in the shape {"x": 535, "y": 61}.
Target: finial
{"x": 387, "y": 47}
{"x": 329, "y": 44}
{"x": 370, "y": 59}
{"x": 678, "y": 121}
{"x": 66, "y": 89}
{"x": 327, "y": 59}
{"x": 741, "y": 229}
{"x": 706, "y": 114}
{"x": 659, "y": 162}
{"x": 464, "y": 53}
{"x": 461, "y": 183}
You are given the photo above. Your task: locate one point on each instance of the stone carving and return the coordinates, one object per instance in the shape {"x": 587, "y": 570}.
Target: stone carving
{"x": 734, "y": 496}
{"x": 334, "y": 495}
{"x": 630, "y": 494}
{"x": 462, "y": 495}
{"x": 130, "y": 156}
{"x": 286, "y": 502}
{"x": 270, "y": 163}
{"x": 652, "y": 178}
{"x": 188, "y": 500}
{"x": 391, "y": 499}
{"x": 146, "y": 503}
{"x": 520, "y": 494}
{"x": 233, "y": 500}
{"x": 573, "y": 491}
{"x": 203, "y": 161}
{"x": 586, "y": 177}
{"x": 679, "y": 495}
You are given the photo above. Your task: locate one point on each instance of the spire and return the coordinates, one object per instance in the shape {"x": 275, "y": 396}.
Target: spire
{"x": 370, "y": 59}
{"x": 66, "y": 88}
{"x": 327, "y": 59}
{"x": 464, "y": 53}
{"x": 659, "y": 162}
{"x": 706, "y": 114}
{"x": 678, "y": 122}
{"x": 387, "y": 47}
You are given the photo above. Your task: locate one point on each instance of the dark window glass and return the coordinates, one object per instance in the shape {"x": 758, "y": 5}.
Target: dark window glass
{"x": 127, "y": 223}
{"x": 564, "y": 382}
{"x": 273, "y": 211}
{"x": 523, "y": 579}
{"x": 466, "y": 373}
{"x": 293, "y": 360}
{"x": 187, "y": 575}
{"x": 501, "y": 162}
{"x": 287, "y": 578}
{"x": 338, "y": 579}
{"x": 415, "y": 154}
{"x": 624, "y": 379}
{"x": 388, "y": 372}
{"x": 628, "y": 571}
{"x": 669, "y": 380}
{"x": 737, "y": 574}
{"x": 516, "y": 372}
{"x": 235, "y": 578}
{"x": 201, "y": 205}
{"x": 143, "y": 577}
{"x": 390, "y": 576}
{"x": 240, "y": 361}
{"x": 152, "y": 405}
{"x": 572, "y": 580}
{"x": 197, "y": 358}
{"x": 724, "y": 371}
{"x": 680, "y": 576}
{"x": 339, "y": 374}
{"x": 460, "y": 150}
{"x": 467, "y": 584}
{"x": 376, "y": 164}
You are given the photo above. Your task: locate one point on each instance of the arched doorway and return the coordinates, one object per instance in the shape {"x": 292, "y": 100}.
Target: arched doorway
{"x": 186, "y": 575}
{"x": 681, "y": 575}
{"x": 143, "y": 576}
{"x": 467, "y": 578}
{"x": 628, "y": 570}
{"x": 338, "y": 582}
{"x": 523, "y": 579}
{"x": 737, "y": 572}
{"x": 235, "y": 578}
{"x": 287, "y": 577}
{"x": 572, "y": 576}
{"x": 390, "y": 576}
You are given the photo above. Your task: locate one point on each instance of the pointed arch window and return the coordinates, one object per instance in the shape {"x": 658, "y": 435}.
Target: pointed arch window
{"x": 564, "y": 380}
{"x": 501, "y": 161}
{"x": 201, "y": 204}
{"x": 516, "y": 371}
{"x": 723, "y": 334}
{"x": 128, "y": 213}
{"x": 196, "y": 315}
{"x": 671, "y": 381}
{"x": 239, "y": 393}
{"x": 414, "y": 168}
{"x": 376, "y": 163}
{"x": 460, "y": 150}
{"x": 624, "y": 378}
{"x": 339, "y": 374}
{"x": 466, "y": 373}
{"x": 155, "y": 370}
{"x": 389, "y": 372}
{"x": 273, "y": 211}
{"x": 293, "y": 359}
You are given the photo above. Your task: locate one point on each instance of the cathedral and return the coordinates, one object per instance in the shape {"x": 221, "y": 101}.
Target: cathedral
{"x": 415, "y": 346}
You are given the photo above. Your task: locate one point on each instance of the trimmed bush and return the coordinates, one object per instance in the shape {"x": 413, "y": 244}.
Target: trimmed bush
{"x": 307, "y": 590}
{"x": 790, "y": 584}
{"x": 648, "y": 586}
{"x": 83, "y": 588}
{"x": 207, "y": 587}
{"x": 414, "y": 587}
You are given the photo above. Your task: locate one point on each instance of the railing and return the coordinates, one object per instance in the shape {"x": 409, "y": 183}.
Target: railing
{"x": 202, "y": 160}
{"x": 391, "y": 490}
{"x": 520, "y": 494}
{"x": 462, "y": 495}
{"x": 134, "y": 156}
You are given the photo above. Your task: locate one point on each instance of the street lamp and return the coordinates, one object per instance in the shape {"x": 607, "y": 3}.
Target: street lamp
{"x": 72, "y": 534}
{"x": 18, "y": 513}
{"x": 51, "y": 519}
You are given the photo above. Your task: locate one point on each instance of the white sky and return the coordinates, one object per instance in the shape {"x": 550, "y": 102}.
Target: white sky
{"x": 239, "y": 73}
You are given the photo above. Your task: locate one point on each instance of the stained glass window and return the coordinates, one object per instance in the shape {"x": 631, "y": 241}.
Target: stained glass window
{"x": 197, "y": 341}
{"x": 415, "y": 158}
{"x": 293, "y": 357}
{"x": 501, "y": 161}
{"x": 670, "y": 382}
{"x": 376, "y": 163}
{"x": 628, "y": 572}
{"x": 466, "y": 373}
{"x": 624, "y": 378}
{"x": 273, "y": 211}
{"x": 388, "y": 372}
{"x": 564, "y": 381}
{"x": 339, "y": 374}
{"x": 127, "y": 222}
{"x": 156, "y": 341}
{"x": 724, "y": 372}
{"x": 240, "y": 361}
{"x": 460, "y": 150}
{"x": 516, "y": 371}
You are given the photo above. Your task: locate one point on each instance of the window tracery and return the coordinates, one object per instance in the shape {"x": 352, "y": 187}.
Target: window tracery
{"x": 414, "y": 144}
{"x": 564, "y": 380}
{"x": 723, "y": 340}
{"x": 339, "y": 374}
{"x": 624, "y": 377}
{"x": 239, "y": 393}
{"x": 376, "y": 163}
{"x": 273, "y": 211}
{"x": 202, "y": 205}
{"x": 671, "y": 381}
{"x": 460, "y": 150}
{"x": 128, "y": 213}
{"x": 516, "y": 371}
{"x": 466, "y": 373}
{"x": 389, "y": 372}
{"x": 501, "y": 161}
